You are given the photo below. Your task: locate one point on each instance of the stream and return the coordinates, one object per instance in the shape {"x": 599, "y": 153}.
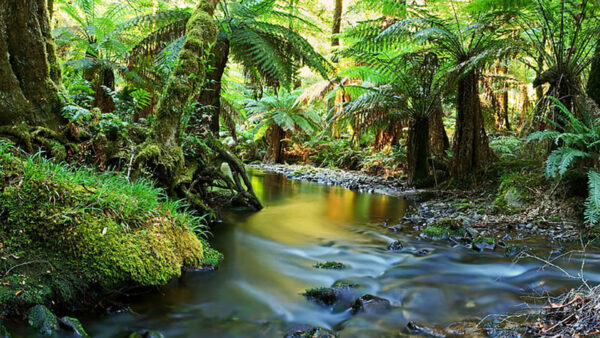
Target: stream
{"x": 269, "y": 258}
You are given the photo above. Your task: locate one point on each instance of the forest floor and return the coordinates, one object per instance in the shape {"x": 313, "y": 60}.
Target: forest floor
{"x": 480, "y": 208}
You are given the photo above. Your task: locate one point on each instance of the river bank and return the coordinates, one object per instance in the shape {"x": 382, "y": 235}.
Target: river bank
{"x": 490, "y": 209}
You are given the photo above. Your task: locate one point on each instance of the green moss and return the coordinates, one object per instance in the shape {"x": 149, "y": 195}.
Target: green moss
{"x": 444, "y": 229}
{"x": 77, "y": 233}
{"x": 330, "y": 265}
{"x": 515, "y": 191}
{"x": 73, "y": 325}
{"x": 212, "y": 258}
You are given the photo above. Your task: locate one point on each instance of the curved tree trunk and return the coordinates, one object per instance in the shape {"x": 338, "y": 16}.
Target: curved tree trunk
{"x": 471, "y": 151}
{"x": 209, "y": 99}
{"x": 418, "y": 151}
{"x": 162, "y": 152}
{"x": 29, "y": 70}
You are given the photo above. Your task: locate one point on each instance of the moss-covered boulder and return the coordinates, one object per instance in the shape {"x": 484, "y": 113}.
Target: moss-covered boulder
{"x": 515, "y": 191}
{"x": 42, "y": 319}
{"x": 72, "y": 235}
{"x": 444, "y": 229}
{"x": 330, "y": 265}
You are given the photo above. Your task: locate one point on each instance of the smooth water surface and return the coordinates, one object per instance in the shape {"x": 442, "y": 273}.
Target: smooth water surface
{"x": 269, "y": 263}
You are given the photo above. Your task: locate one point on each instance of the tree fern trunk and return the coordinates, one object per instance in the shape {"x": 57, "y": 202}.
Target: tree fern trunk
{"x": 29, "y": 71}
{"x": 439, "y": 142}
{"x": 593, "y": 85}
{"x": 471, "y": 150}
{"x": 418, "y": 151}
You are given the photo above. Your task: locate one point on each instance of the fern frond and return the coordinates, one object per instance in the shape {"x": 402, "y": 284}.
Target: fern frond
{"x": 592, "y": 203}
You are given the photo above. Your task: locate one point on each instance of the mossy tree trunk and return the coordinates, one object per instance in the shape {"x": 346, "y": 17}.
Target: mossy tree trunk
{"x": 337, "y": 22}
{"x": 418, "y": 150}
{"x": 162, "y": 156}
{"x": 162, "y": 153}
{"x": 471, "y": 151}
{"x": 209, "y": 99}
{"x": 29, "y": 70}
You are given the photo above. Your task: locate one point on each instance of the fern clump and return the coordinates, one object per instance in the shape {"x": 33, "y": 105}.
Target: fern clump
{"x": 577, "y": 140}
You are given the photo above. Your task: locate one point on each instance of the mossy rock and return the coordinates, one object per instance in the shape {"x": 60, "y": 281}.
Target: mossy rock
{"x": 330, "y": 265}
{"x": 482, "y": 243}
{"x": 444, "y": 229}
{"x": 72, "y": 243}
{"x": 514, "y": 193}
{"x": 329, "y": 296}
{"x": 212, "y": 258}
{"x": 73, "y": 325}
{"x": 42, "y": 319}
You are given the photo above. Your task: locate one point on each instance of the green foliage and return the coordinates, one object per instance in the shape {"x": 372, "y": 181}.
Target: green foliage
{"x": 592, "y": 204}
{"x": 507, "y": 148}
{"x": 283, "y": 111}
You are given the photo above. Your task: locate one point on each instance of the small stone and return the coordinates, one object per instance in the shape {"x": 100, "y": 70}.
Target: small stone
{"x": 395, "y": 228}
{"x": 415, "y": 328}
{"x": 370, "y": 304}
{"x": 423, "y": 252}
{"x": 396, "y": 246}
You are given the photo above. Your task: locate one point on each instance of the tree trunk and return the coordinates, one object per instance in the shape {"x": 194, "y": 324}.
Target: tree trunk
{"x": 276, "y": 147}
{"x": 29, "y": 71}
{"x": 105, "y": 77}
{"x": 503, "y": 99}
{"x": 337, "y": 22}
{"x": 209, "y": 99}
{"x": 471, "y": 150}
{"x": 438, "y": 137}
{"x": 418, "y": 151}
{"x": 593, "y": 85}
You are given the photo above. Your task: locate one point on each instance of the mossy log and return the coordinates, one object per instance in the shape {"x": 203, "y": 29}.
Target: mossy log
{"x": 29, "y": 69}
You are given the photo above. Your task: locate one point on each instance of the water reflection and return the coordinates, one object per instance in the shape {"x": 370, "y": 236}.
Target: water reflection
{"x": 270, "y": 257}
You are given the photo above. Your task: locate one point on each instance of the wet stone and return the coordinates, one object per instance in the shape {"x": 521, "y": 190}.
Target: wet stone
{"x": 305, "y": 331}
{"x": 395, "y": 228}
{"x": 43, "y": 320}
{"x": 415, "y": 328}
{"x": 371, "y": 305}
{"x": 73, "y": 325}
{"x": 396, "y": 246}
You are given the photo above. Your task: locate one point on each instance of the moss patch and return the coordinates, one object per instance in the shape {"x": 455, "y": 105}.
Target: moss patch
{"x": 444, "y": 229}
{"x": 330, "y": 265}
{"x": 71, "y": 236}
{"x": 515, "y": 191}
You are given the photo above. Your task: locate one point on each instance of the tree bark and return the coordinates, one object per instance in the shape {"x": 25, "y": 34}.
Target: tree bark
{"x": 471, "y": 151}
{"x": 593, "y": 85}
{"x": 418, "y": 151}
{"x": 337, "y": 22}
{"x": 209, "y": 99}
{"x": 503, "y": 100}
{"x": 276, "y": 147}
{"x": 438, "y": 137}
{"x": 30, "y": 73}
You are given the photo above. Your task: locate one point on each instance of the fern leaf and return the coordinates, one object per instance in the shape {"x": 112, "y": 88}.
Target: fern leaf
{"x": 592, "y": 203}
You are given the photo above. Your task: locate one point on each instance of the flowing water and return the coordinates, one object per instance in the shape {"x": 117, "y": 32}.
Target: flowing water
{"x": 269, "y": 263}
